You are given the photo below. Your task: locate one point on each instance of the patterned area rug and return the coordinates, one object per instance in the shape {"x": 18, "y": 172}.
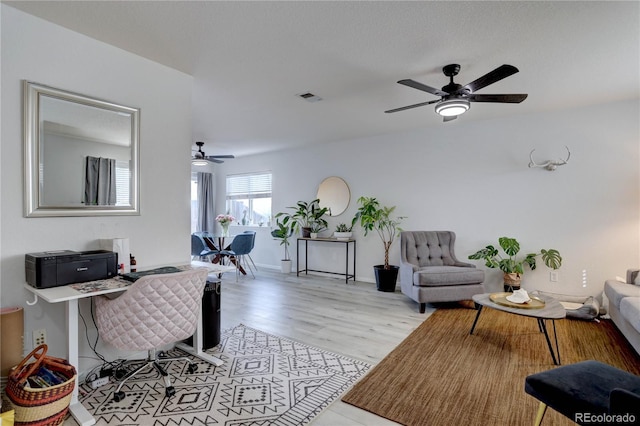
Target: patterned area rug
{"x": 265, "y": 380}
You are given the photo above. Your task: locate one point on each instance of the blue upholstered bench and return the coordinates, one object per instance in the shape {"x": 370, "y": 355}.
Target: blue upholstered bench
{"x": 588, "y": 392}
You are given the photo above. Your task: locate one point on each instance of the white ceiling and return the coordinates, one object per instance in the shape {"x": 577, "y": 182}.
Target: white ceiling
{"x": 250, "y": 59}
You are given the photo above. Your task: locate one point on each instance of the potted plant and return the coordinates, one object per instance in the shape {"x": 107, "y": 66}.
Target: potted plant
{"x": 283, "y": 232}
{"x": 342, "y": 232}
{"x": 317, "y": 227}
{"x": 305, "y": 214}
{"x": 372, "y": 216}
{"x": 511, "y": 265}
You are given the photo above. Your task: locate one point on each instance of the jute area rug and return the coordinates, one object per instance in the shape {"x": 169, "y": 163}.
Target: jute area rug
{"x": 441, "y": 375}
{"x": 265, "y": 380}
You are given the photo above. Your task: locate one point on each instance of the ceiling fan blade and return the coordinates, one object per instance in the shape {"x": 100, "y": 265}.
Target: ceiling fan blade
{"x": 510, "y": 99}
{"x": 498, "y": 74}
{"x": 449, "y": 118}
{"x": 221, "y": 156}
{"x": 423, "y": 87}
{"x": 412, "y": 106}
{"x": 214, "y": 160}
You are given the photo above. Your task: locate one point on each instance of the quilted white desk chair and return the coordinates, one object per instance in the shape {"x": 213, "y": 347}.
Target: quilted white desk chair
{"x": 155, "y": 311}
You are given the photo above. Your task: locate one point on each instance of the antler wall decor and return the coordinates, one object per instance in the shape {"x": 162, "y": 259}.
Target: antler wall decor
{"x": 549, "y": 165}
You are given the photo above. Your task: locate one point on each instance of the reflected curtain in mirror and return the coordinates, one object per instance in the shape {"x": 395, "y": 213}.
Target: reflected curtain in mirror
{"x": 100, "y": 182}
{"x": 206, "y": 196}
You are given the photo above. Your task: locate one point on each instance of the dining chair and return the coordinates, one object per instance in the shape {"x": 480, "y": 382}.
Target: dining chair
{"x": 253, "y": 243}
{"x": 240, "y": 247}
{"x": 199, "y": 248}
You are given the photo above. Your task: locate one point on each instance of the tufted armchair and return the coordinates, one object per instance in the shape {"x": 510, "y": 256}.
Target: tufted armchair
{"x": 430, "y": 271}
{"x": 155, "y": 311}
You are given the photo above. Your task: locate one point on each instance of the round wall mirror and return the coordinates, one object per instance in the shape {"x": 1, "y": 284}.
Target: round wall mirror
{"x": 334, "y": 194}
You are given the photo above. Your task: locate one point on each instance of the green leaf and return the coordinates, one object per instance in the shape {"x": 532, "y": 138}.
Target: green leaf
{"x": 510, "y": 246}
{"x": 551, "y": 258}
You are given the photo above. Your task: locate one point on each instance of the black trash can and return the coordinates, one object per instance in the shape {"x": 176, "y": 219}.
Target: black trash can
{"x": 210, "y": 315}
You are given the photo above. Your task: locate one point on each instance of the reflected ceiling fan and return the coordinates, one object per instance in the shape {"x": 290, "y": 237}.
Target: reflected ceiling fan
{"x": 201, "y": 159}
{"x": 456, "y": 99}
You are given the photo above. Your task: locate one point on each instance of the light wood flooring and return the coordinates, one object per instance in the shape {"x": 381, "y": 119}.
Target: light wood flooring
{"x": 351, "y": 319}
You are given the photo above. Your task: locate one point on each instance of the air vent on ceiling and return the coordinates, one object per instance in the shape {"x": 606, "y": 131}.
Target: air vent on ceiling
{"x": 309, "y": 97}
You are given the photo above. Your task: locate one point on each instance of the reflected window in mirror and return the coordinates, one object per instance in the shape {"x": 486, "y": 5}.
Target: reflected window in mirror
{"x": 81, "y": 154}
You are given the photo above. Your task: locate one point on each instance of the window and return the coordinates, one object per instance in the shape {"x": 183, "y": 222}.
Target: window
{"x": 249, "y": 198}
{"x": 123, "y": 177}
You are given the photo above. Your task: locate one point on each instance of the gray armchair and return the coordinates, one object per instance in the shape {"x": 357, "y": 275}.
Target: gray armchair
{"x": 430, "y": 272}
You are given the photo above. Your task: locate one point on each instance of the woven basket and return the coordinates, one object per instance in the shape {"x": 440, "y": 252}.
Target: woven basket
{"x": 40, "y": 406}
{"x": 513, "y": 279}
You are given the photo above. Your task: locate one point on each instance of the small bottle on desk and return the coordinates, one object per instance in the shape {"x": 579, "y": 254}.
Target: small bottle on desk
{"x": 133, "y": 263}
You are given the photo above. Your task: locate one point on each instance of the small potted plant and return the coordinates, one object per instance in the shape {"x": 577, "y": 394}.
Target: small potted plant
{"x": 373, "y": 217}
{"x": 283, "y": 232}
{"x": 304, "y": 215}
{"x": 317, "y": 227}
{"x": 511, "y": 265}
{"x": 342, "y": 232}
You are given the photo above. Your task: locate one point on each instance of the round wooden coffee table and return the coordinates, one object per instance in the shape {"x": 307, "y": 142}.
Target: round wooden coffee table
{"x": 551, "y": 309}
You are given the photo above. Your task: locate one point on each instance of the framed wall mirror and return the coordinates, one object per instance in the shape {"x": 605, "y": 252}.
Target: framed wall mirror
{"x": 334, "y": 194}
{"x": 81, "y": 154}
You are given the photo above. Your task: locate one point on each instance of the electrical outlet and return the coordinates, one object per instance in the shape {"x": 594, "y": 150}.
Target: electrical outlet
{"x": 39, "y": 337}
{"x": 553, "y": 276}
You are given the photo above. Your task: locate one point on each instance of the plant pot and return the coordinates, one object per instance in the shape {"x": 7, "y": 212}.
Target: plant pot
{"x": 314, "y": 235}
{"x": 285, "y": 266}
{"x": 306, "y": 232}
{"x": 386, "y": 278}
{"x": 342, "y": 235}
{"x": 512, "y": 281}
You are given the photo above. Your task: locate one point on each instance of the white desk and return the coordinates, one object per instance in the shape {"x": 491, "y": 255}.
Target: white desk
{"x": 70, "y": 296}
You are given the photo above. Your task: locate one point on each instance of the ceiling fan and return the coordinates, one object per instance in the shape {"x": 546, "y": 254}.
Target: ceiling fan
{"x": 200, "y": 159}
{"x": 455, "y": 99}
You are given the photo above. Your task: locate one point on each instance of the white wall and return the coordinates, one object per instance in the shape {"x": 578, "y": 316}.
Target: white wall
{"x": 472, "y": 178}
{"x": 36, "y": 50}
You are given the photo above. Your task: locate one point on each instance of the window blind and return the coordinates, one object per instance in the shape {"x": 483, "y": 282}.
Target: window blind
{"x": 255, "y": 185}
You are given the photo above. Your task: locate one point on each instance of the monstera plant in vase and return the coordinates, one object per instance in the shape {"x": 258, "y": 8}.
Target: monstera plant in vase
{"x": 510, "y": 264}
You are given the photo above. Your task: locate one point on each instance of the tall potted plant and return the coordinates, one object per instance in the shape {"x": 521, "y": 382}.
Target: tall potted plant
{"x": 371, "y": 216}
{"x": 510, "y": 264}
{"x": 283, "y": 232}
{"x": 305, "y": 215}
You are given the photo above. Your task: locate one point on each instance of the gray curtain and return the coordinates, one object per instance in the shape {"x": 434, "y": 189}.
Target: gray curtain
{"x": 100, "y": 182}
{"x": 206, "y": 197}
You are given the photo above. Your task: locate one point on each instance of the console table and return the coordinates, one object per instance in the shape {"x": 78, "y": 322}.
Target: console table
{"x": 346, "y": 243}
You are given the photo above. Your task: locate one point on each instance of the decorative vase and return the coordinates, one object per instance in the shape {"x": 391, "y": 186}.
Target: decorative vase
{"x": 225, "y": 229}
{"x": 314, "y": 235}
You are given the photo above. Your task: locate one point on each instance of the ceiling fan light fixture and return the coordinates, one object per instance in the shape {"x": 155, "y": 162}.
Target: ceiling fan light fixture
{"x": 451, "y": 107}
{"x": 199, "y": 162}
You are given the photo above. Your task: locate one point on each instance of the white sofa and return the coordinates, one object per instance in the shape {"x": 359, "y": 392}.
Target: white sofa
{"x": 624, "y": 306}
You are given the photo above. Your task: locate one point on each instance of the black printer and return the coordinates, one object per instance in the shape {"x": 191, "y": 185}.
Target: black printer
{"x": 56, "y": 268}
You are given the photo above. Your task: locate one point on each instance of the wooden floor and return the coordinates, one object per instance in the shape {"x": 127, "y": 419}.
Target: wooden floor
{"x": 351, "y": 319}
